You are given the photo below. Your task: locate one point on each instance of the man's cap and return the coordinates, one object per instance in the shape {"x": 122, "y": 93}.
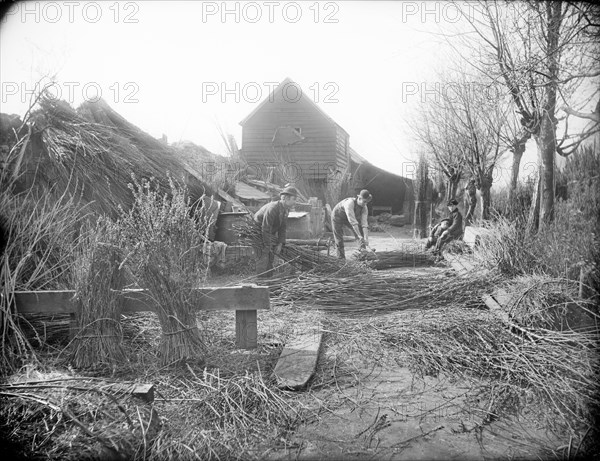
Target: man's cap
{"x": 452, "y": 202}
{"x": 365, "y": 194}
{"x": 289, "y": 191}
{"x": 445, "y": 220}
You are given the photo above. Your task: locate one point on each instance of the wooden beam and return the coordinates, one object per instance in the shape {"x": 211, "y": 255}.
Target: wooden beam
{"x": 238, "y": 298}
{"x": 51, "y": 301}
{"x": 246, "y": 331}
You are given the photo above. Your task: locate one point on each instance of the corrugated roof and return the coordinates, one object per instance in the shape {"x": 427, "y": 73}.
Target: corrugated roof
{"x": 355, "y": 157}
{"x": 247, "y": 192}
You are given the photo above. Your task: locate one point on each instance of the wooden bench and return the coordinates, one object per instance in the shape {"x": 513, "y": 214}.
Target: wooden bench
{"x": 245, "y": 300}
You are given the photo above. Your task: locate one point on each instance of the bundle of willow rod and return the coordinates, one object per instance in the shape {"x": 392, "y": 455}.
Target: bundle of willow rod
{"x": 98, "y": 280}
{"x": 301, "y": 257}
{"x": 371, "y": 292}
{"x": 405, "y": 257}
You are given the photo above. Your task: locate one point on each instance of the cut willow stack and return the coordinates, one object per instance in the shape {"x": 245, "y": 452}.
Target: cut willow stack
{"x": 304, "y": 258}
{"x": 375, "y": 292}
{"x": 404, "y": 258}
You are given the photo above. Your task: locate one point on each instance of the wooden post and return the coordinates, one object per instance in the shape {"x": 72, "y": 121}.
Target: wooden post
{"x": 246, "y": 331}
{"x": 73, "y": 325}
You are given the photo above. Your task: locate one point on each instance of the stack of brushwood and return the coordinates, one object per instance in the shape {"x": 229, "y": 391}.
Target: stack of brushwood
{"x": 302, "y": 257}
{"x": 409, "y": 256}
{"x": 368, "y": 293}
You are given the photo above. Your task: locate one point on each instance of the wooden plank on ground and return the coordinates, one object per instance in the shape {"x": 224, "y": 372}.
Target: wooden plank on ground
{"x": 141, "y": 391}
{"x": 236, "y": 298}
{"x": 457, "y": 264}
{"x": 298, "y": 360}
{"x": 503, "y": 297}
{"x": 495, "y": 308}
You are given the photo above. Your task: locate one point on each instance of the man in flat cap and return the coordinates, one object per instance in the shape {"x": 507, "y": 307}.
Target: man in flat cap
{"x": 455, "y": 229}
{"x": 272, "y": 219}
{"x": 351, "y": 212}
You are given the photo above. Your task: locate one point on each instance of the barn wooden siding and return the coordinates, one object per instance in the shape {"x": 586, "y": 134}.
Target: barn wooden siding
{"x": 325, "y": 145}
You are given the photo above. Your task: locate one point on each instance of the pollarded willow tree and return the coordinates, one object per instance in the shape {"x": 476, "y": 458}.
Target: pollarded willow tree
{"x": 546, "y": 55}
{"x": 463, "y": 126}
{"x": 431, "y": 129}
{"x": 477, "y": 120}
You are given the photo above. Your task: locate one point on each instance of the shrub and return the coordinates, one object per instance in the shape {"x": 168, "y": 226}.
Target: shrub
{"x": 561, "y": 248}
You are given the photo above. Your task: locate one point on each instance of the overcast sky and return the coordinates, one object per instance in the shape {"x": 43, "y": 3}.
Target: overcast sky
{"x": 181, "y": 68}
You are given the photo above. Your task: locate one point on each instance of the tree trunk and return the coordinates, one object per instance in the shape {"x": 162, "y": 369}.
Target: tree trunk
{"x": 514, "y": 179}
{"x": 452, "y": 185}
{"x": 547, "y": 134}
{"x": 534, "y": 211}
{"x": 420, "y": 223}
{"x": 485, "y": 186}
{"x": 546, "y": 149}
{"x": 472, "y": 202}
{"x": 451, "y": 189}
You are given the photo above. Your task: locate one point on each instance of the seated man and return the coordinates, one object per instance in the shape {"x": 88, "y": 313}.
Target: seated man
{"x": 454, "y": 231}
{"x": 436, "y": 232}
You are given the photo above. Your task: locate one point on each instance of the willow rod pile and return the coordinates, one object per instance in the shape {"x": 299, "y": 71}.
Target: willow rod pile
{"x": 301, "y": 257}
{"x": 405, "y": 257}
{"x": 368, "y": 293}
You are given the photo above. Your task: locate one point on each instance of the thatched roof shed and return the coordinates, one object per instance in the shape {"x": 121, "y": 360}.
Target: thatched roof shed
{"x": 92, "y": 153}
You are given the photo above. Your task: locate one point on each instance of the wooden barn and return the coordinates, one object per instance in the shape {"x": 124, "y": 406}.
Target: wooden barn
{"x": 289, "y": 138}
{"x": 391, "y": 193}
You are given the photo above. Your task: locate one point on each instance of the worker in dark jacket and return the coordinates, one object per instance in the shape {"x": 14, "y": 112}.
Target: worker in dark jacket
{"x": 453, "y": 232}
{"x": 272, "y": 218}
{"x": 351, "y": 212}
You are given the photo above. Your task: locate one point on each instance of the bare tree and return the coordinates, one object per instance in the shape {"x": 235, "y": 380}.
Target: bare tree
{"x": 543, "y": 52}
{"x": 468, "y": 117}
{"x": 432, "y": 129}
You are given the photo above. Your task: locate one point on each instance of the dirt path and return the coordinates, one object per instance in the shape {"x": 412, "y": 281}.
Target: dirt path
{"x": 385, "y": 413}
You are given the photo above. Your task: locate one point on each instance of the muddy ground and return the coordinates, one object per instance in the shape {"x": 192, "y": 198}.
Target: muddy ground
{"x": 384, "y": 411}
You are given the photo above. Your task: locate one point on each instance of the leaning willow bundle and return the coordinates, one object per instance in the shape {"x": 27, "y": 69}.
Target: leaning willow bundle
{"x": 301, "y": 257}
{"x": 166, "y": 237}
{"x": 98, "y": 281}
{"x": 372, "y": 292}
